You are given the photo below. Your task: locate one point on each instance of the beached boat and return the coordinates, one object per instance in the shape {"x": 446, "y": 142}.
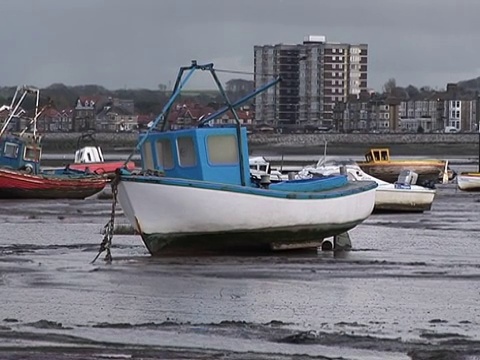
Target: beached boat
{"x": 20, "y": 174}
{"x": 259, "y": 167}
{"x": 401, "y": 196}
{"x": 468, "y": 181}
{"x": 379, "y": 164}
{"x": 195, "y": 192}
{"x": 89, "y": 158}
{"x": 68, "y": 185}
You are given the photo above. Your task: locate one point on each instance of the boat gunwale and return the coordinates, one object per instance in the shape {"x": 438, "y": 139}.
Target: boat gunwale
{"x": 351, "y": 188}
{"x": 426, "y": 162}
{"x": 58, "y": 179}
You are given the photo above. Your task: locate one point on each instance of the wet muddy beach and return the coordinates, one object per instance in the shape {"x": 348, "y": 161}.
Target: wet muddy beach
{"x": 409, "y": 289}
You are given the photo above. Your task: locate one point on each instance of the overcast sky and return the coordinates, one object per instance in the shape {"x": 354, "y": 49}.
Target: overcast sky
{"x": 141, "y": 43}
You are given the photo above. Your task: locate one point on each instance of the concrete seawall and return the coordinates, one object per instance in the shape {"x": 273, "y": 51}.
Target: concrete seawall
{"x": 401, "y": 144}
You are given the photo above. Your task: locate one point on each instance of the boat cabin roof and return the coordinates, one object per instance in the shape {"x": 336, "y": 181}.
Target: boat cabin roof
{"x": 88, "y": 154}
{"x": 378, "y": 155}
{"x": 215, "y": 154}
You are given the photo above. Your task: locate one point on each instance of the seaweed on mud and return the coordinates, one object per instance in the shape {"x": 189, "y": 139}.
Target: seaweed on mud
{"x": 435, "y": 335}
{"x": 10, "y": 320}
{"x": 46, "y": 324}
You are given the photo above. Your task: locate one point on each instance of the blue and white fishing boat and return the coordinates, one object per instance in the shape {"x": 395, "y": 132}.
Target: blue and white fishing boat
{"x": 196, "y": 191}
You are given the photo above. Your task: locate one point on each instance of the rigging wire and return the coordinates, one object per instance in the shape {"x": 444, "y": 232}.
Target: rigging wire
{"x": 242, "y": 72}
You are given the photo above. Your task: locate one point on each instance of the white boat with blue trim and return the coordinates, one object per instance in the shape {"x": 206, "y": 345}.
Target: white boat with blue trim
{"x": 402, "y": 196}
{"x": 195, "y": 191}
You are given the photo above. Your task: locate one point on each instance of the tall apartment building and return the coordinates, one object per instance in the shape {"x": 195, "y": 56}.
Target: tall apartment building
{"x": 279, "y": 104}
{"x": 316, "y": 75}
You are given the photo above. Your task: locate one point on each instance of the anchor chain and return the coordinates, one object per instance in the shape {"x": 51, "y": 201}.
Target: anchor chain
{"x": 109, "y": 227}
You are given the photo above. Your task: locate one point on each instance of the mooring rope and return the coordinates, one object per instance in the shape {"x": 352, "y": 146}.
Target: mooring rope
{"x": 109, "y": 227}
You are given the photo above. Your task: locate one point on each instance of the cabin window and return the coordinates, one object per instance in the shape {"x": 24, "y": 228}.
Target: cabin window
{"x": 147, "y": 156}
{"x": 10, "y": 150}
{"x": 376, "y": 156}
{"x": 32, "y": 154}
{"x": 164, "y": 154}
{"x": 186, "y": 152}
{"x": 384, "y": 155}
{"x": 222, "y": 149}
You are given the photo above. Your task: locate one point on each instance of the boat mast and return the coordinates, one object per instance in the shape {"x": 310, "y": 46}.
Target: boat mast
{"x": 15, "y": 106}
{"x": 14, "y": 111}
{"x": 179, "y": 84}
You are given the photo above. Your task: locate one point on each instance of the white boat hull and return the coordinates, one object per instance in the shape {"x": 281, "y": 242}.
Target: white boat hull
{"x": 390, "y": 199}
{"x": 469, "y": 182}
{"x": 182, "y": 217}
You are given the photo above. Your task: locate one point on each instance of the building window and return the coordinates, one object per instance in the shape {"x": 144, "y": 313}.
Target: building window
{"x": 458, "y": 104}
{"x": 458, "y": 114}
{"x": 222, "y": 149}
{"x": 453, "y": 113}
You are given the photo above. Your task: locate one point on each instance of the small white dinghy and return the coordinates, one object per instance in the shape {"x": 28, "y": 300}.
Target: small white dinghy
{"x": 468, "y": 181}
{"x": 402, "y": 196}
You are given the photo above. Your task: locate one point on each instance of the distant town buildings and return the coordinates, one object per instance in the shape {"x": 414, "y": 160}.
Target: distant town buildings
{"x": 433, "y": 111}
{"x": 238, "y": 88}
{"x": 323, "y": 88}
{"x": 84, "y": 114}
{"x": 316, "y": 76}
{"x": 188, "y": 114}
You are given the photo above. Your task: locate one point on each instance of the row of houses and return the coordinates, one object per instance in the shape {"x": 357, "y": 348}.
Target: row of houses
{"x": 432, "y": 112}
{"x": 366, "y": 112}
{"x": 88, "y": 113}
{"x": 118, "y": 115}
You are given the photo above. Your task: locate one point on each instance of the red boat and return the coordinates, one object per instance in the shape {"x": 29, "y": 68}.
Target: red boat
{"x": 107, "y": 167}
{"x": 89, "y": 158}
{"x": 15, "y": 184}
{"x": 20, "y": 153}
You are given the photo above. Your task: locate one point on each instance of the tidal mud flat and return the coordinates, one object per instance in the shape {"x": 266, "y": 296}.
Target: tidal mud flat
{"x": 409, "y": 289}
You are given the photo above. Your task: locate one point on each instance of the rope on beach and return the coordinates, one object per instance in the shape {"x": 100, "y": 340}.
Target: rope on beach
{"x": 242, "y": 72}
{"x": 109, "y": 227}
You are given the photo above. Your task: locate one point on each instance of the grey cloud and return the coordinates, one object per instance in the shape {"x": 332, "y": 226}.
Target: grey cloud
{"x": 140, "y": 43}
